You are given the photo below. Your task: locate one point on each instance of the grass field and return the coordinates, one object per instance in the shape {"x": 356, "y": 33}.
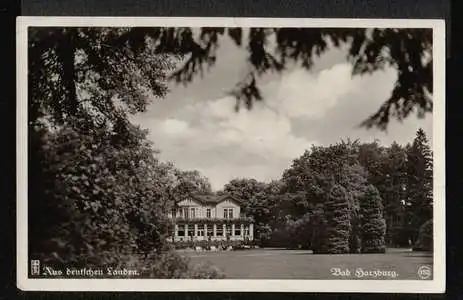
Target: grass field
{"x": 395, "y": 264}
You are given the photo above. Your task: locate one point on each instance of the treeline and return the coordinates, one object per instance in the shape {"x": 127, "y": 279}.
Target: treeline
{"x": 349, "y": 197}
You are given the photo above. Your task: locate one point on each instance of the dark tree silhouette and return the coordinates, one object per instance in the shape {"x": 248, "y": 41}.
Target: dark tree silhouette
{"x": 419, "y": 184}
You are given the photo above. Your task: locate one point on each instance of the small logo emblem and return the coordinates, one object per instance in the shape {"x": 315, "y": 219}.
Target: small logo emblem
{"x": 424, "y": 272}
{"x": 35, "y": 267}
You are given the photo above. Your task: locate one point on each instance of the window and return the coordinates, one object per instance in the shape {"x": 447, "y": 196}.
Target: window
{"x": 181, "y": 230}
{"x": 210, "y": 230}
{"x": 237, "y": 230}
{"x": 191, "y": 230}
{"x": 200, "y": 231}
{"x": 208, "y": 213}
{"x": 219, "y": 230}
{"x": 192, "y": 212}
{"x": 228, "y": 228}
{"x": 185, "y": 212}
{"x": 228, "y": 213}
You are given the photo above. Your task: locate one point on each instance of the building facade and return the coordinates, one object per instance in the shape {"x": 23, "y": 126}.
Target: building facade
{"x": 210, "y": 218}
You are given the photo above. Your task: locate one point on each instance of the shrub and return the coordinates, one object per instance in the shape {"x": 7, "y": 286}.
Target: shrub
{"x": 204, "y": 271}
{"x": 425, "y": 237}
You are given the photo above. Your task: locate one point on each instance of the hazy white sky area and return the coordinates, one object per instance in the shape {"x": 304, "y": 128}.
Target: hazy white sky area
{"x": 196, "y": 126}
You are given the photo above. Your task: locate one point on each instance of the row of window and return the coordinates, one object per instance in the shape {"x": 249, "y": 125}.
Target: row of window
{"x": 210, "y": 231}
{"x": 190, "y": 213}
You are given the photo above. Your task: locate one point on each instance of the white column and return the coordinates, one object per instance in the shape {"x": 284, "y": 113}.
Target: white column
{"x": 242, "y": 231}
{"x": 205, "y": 237}
{"x": 196, "y": 232}
{"x": 176, "y": 230}
{"x": 186, "y": 237}
{"x": 224, "y": 230}
{"x": 215, "y": 230}
{"x": 233, "y": 230}
{"x": 251, "y": 231}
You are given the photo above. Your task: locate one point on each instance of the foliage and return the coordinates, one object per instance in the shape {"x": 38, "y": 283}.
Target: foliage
{"x": 372, "y": 222}
{"x": 256, "y": 201}
{"x": 205, "y": 271}
{"x": 101, "y": 199}
{"x": 338, "y": 227}
{"x": 419, "y": 184}
{"x": 90, "y": 72}
{"x": 189, "y": 183}
{"x": 300, "y": 217}
{"x": 425, "y": 240}
{"x": 386, "y": 168}
{"x": 171, "y": 265}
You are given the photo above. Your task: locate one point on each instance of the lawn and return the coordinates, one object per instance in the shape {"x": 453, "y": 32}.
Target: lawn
{"x": 299, "y": 264}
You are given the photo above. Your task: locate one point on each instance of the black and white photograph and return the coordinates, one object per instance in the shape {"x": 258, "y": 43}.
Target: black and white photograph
{"x": 231, "y": 154}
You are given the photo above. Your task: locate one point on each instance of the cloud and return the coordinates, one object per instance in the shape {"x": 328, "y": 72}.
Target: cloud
{"x": 299, "y": 109}
{"x": 301, "y": 94}
{"x": 174, "y": 126}
{"x": 224, "y": 144}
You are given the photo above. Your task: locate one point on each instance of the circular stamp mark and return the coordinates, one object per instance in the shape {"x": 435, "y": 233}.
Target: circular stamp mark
{"x": 424, "y": 272}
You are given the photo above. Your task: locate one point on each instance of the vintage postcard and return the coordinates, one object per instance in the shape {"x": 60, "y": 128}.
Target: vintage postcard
{"x": 230, "y": 154}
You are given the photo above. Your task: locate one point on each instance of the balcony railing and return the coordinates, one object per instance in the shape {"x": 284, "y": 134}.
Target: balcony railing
{"x": 240, "y": 219}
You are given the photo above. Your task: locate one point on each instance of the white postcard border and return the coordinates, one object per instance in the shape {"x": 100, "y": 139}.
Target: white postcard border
{"x": 437, "y": 285}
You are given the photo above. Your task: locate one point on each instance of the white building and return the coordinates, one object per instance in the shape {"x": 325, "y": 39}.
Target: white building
{"x": 213, "y": 218}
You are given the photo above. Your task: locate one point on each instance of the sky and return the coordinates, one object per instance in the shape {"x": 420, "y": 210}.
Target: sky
{"x": 197, "y": 128}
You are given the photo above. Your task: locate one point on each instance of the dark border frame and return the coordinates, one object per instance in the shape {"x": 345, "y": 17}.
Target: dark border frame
{"x": 423, "y": 9}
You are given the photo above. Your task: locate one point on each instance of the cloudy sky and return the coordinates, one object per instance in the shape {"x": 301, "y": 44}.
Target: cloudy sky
{"x": 196, "y": 126}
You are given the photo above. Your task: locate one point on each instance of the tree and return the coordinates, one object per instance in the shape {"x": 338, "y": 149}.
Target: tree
{"x": 355, "y": 182}
{"x": 259, "y": 201}
{"x": 373, "y": 224}
{"x": 338, "y": 221}
{"x": 102, "y": 202}
{"x": 419, "y": 184}
{"x": 386, "y": 168}
{"x": 246, "y": 190}
{"x": 90, "y": 73}
{"x": 425, "y": 240}
{"x": 190, "y": 183}
{"x": 311, "y": 178}
{"x": 393, "y": 192}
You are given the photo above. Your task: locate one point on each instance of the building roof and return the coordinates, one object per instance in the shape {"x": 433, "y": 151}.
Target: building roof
{"x": 214, "y": 199}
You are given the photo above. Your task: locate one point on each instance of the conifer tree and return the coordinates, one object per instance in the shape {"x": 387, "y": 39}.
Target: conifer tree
{"x": 419, "y": 184}
{"x": 372, "y": 220}
{"x": 338, "y": 220}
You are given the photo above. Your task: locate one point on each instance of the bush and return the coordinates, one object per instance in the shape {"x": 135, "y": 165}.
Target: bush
{"x": 205, "y": 271}
{"x": 425, "y": 239}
